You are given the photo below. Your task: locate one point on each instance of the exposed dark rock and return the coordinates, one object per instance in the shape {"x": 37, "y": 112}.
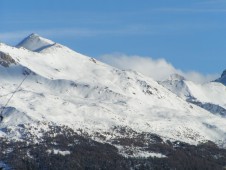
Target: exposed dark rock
{"x": 213, "y": 108}
{"x": 6, "y": 60}
{"x": 223, "y": 74}
{"x": 222, "y": 79}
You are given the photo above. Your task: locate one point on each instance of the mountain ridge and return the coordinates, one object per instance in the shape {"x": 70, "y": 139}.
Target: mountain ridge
{"x": 210, "y": 96}
{"x": 98, "y": 101}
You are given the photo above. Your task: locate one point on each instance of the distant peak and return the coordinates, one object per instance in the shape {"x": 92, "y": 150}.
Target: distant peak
{"x": 33, "y": 35}
{"x": 33, "y": 42}
{"x": 174, "y": 77}
{"x": 224, "y": 73}
{"x": 222, "y": 79}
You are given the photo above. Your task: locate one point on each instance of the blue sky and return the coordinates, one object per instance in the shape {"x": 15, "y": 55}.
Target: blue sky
{"x": 189, "y": 34}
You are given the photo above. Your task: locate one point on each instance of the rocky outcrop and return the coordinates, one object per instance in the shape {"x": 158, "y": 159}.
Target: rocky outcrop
{"x": 224, "y": 73}
{"x": 222, "y": 79}
{"x": 6, "y": 60}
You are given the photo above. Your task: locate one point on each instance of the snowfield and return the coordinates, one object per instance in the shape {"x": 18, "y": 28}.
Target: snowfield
{"x": 64, "y": 87}
{"x": 212, "y": 92}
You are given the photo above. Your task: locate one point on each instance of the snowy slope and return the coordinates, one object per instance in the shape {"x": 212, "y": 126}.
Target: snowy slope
{"x": 67, "y": 88}
{"x": 34, "y": 42}
{"x": 209, "y": 93}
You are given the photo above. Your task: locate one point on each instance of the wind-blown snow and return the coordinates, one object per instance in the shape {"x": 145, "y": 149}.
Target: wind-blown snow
{"x": 68, "y": 88}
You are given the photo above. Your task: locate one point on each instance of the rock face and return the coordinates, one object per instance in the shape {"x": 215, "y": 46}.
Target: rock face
{"x": 176, "y": 77}
{"x": 6, "y": 60}
{"x": 222, "y": 79}
{"x": 223, "y": 74}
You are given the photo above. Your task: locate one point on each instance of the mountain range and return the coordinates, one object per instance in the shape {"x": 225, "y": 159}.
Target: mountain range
{"x": 47, "y": 88}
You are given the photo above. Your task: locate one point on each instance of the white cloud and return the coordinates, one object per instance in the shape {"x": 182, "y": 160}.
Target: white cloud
{"x": 158, "y": 69}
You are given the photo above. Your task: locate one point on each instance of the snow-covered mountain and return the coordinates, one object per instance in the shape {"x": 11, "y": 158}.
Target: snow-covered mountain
{"x": 210, "y": 96}
{"x": 62, "y": 87}
{"x": 34, "y": 43}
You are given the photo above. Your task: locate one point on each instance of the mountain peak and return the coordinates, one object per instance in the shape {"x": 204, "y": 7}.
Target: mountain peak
{"x": 33, "y": 35}
{"x": 222, "y": 79}
{"x": 33, "y": 42}
{"x": 174, "y": 77}
{"x": 223, "y": 74}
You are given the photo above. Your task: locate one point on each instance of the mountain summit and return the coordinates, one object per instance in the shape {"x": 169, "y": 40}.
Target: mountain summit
{"x": 176, "y": 77}
{"x": 224, "y": 73}
{"x": 222, "y": 79}
{"x": 35, "y": 42}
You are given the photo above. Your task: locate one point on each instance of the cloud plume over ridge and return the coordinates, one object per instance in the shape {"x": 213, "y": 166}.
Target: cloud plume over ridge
{"x": 158, "y": 69}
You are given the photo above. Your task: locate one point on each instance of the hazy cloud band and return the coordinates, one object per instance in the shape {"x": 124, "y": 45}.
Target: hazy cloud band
{"x": 158, "y": 69}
